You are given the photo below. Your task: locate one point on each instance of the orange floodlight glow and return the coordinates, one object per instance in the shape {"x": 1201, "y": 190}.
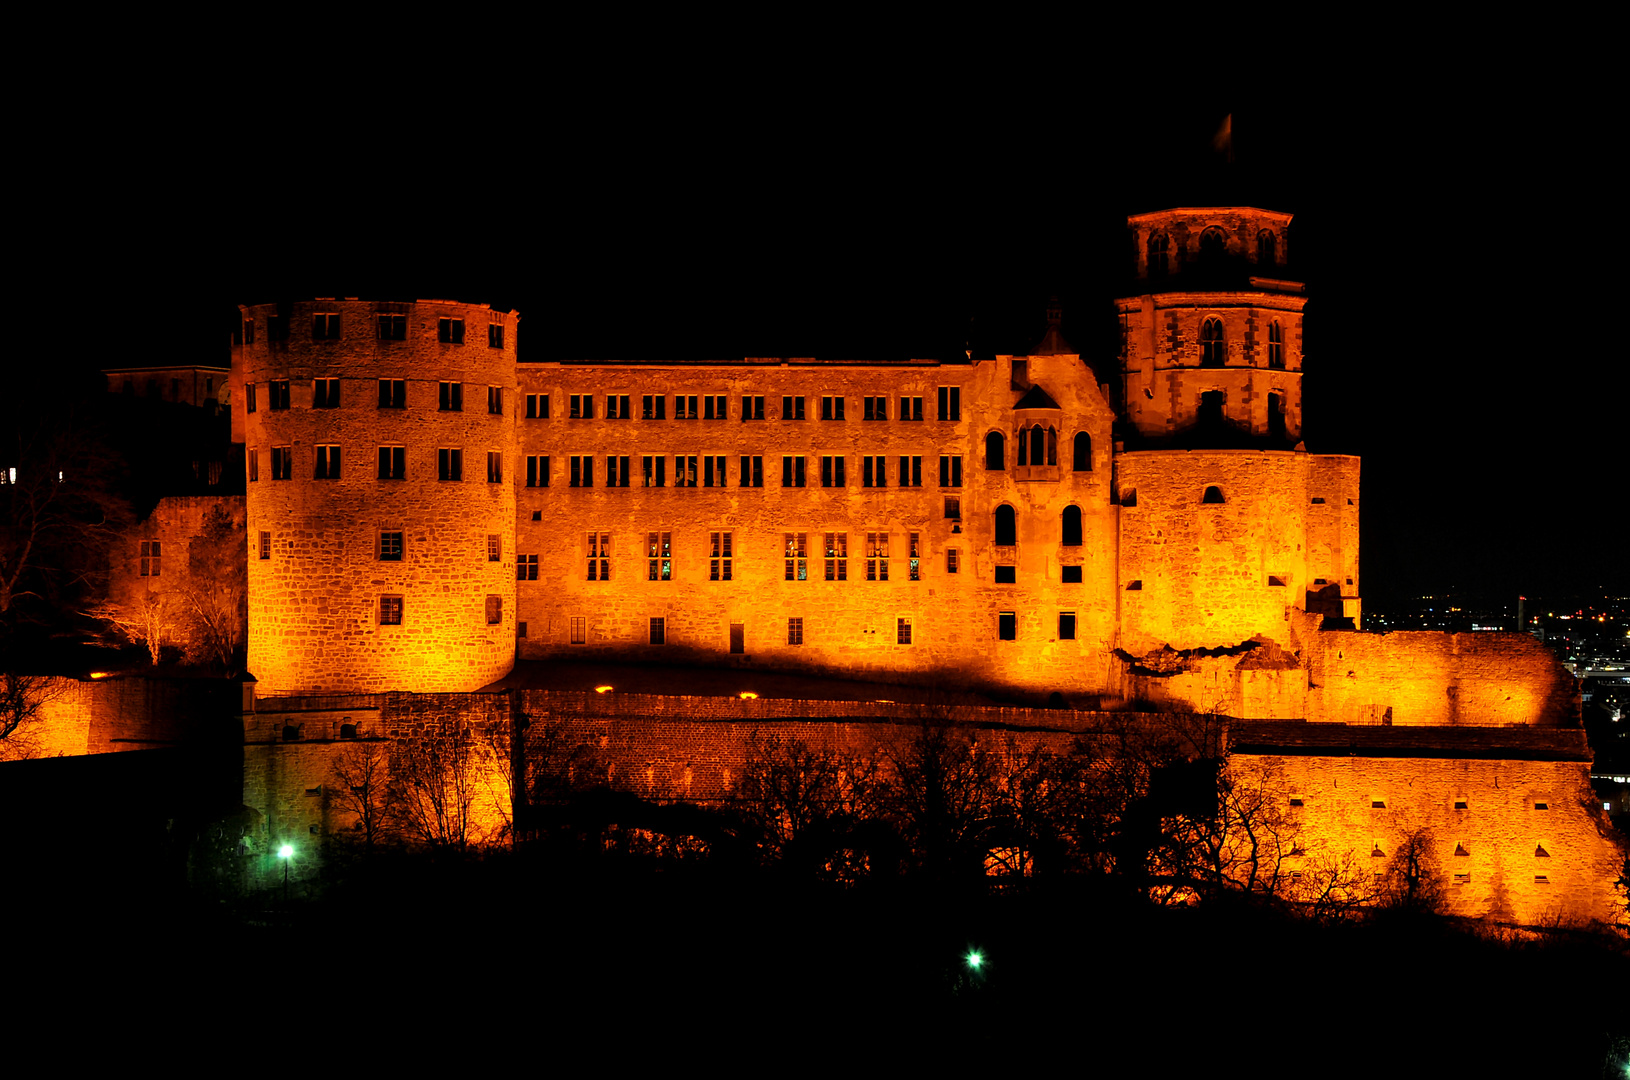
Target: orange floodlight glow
{"x": 602, "y": 689}
{"x": 100, "y": 674}
{"x": 748, "y": 695}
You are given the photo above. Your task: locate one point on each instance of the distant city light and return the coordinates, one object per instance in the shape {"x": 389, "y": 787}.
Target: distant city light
{"x": 975, "y": 959}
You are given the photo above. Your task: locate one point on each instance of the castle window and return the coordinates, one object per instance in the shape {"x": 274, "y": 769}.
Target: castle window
{"x": 837, "y": 556}
{"x": 495, "y": 335}
{"x": 537, "y": 515}
{"x": 393, "y": 393}
{"x": 752, "y": 408}
{"x": 902, "y": 631}
{"x": 450, "y": 463}
{"x": 1275, "y": 581}
{"x": 600, "y": 556}
{"x": 1213, "y": 348}
{"x": 390, "y": 611}
{"x": 1007, "y": 532}
{"x": 1461, "y": 852}
{"x": 1378, "y": 803}
{"x": 1276, "y": 345}
{"x": 1134, "y": 586}
{"x": 277, "y": 326}
{"x": 792, "y": 472}
{"x": 450, "y": 397}
{"x": 1213, "y": 246}
{"x": 685, "y": 470}
{"x": 1069, "y": 575}
{"x": 1066, "y": 626}
{"x": 325, "y": 326}
{"x": 659, "y": 630}
{"x": 616, "y": 405}
{"x": 617, "y": 470}
{"x": 953, "y": 508}
{"x": 248, "y": 333}
{"x": 877, "y": 556}
{"x": 579, "y": 630}
{"x": 390, "y": 546}
{"x": 581, "y": 407}
{"x": 911, "y": 471}
{"x": 832, "y": 471}
{"x": 1159, "y": 253}
{"x": 1213, "y": 495}
{"x": 495, "y": 547}
{"x": 248, "y": 396}
{"x": 583, "y": 470}
{"x": 495, "y": 610}
{"x": 722, "y": 555}
{"x": 872, "y": 471}
{"x": 911, "y": 408}
{"x": 278, "y": 392}
{"x": 537, "y": 406}
{"x": 652, "y": 407}
{"x": 1072, "y": 527}
{"x": 713, "y": 408}
{"x": 792, "y": 408}
{"x": 393, "y": 328}
{"x": 1083, "y": 452}
{"x": 328, "y": 463}
{"x": 150, "y": 558}
{"x": 1541, "y": 805}
{"x": 253, "y": 457}
{"x": 1007, "y": 626}
{"x": 713, "y": 471}
{"x": 795, "y": 631}
{"x": 950, "y": 403}
{"x": 393, "y": 463}
{"x": 450, "y": 331}
{"x": 1296, "y": 800}
{"x": 995, "y": 451}
{"x": 953, "y": 560}
{"x": 1267, "y": 248}
{"x": 537, "y": 471}
{"x": 752, "y": 471}
{"x": 659, "y": 552}
{"x": 874, "y": 408}
{"x": 951, "y": 470}
{"x": 831, "y": 408}
{"x": 1540, "y": 852}
{"x": 1318, "y": 501}
{"x": 282, "y": 462}
{"x": 915, "y": 554}
{"x": 1007, "y": 575}
{"x": 797, "y": 551}
{"x": 325, "y": 394}
{"x": 266, "y": 545}
{"x": 526, "y": 568}
{"x": 685, "y": 407}
{"x": 654, "y": 469}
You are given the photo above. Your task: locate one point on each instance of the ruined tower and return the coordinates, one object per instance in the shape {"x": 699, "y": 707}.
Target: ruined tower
{"x": 381, "y": 504}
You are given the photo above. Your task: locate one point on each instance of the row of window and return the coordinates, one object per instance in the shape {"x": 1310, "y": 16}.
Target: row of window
{"x": 1213, "y": 246}
{"x": 391, "y": 463}
{"x": 393, "y": 610}
{"x": 717, "y": 407}
{"x": 1214, "y": 344}
{"x": 390, "y": 545}
{"x": 325, "y": 394}
{"x": 1007, "y": 623}
{"x": 326, "y": 326}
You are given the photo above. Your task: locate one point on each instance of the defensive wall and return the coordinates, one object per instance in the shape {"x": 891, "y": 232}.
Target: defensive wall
{"x": 109, "y": 715}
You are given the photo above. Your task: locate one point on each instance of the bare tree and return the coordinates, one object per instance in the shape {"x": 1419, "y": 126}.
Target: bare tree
{"x": 361, "y": 787}
{"x": 804, "y": 803}
{"x": 216, "y": 590}
{"x": 944, "y": 797}
{"x": 433, "y": 783}
{"x": 152, "y": 619}
{"x": 1414, "y": 881}
{"x": 21, "y": 699}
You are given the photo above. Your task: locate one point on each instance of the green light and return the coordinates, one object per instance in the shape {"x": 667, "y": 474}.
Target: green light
{"x": 975, "y": 959}
{"x": 286, "y": 851}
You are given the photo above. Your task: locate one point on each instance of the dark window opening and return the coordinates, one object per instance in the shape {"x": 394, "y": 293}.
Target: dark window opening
{"x": 1007, "y": 531}
{"x": 1212, "y": 345}
{"x": 1134, "y": 586}
{"x": 1007, "y": 575}
{"x": 1213, "y": 246}
{"x": 1083, "y": 452}
{"x": 1213, "y": 495}
{"x": 1072, "y": 527}
{"x": 1211, "y": 408}
{"x": 1070, "y": 575}
{"x": 995, "y": 451}
{"x": 1267, "y": 248}
{"x": 1007, "y": 626}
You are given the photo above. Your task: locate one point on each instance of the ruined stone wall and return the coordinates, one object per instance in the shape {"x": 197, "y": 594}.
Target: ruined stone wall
{"x": 317, "y": 581}
{"x": 853, "y": 626}
{"x": 107, "y": 715}
{"x": 174, "y": 522}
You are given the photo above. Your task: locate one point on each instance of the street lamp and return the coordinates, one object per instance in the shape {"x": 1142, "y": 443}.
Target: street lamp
{"x": 286, "y": 853}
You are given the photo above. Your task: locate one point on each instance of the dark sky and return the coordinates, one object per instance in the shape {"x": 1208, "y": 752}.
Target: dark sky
{"x": 1448, "y": 241}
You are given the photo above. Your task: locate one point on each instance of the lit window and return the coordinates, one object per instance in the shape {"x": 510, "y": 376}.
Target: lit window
{"x": 325, "y": 326}
{"x": 721, "y": 558}
{"x": 266, "y": 545}
{"x": 797, "y": 556}
{"x": 495, "y": 547}
{"x": 580, "y": 630}
{"x": 752, "y": 471}
{"x": 450, "y": 463}
{"x": 902, "y": 631}
{"x": 278, "y": 393}
{"x": 599, "y": 556}
{"x": 659, "y": 631}
{"x": 150, "y": 558}
{"x": 1007, "y": 626}
{"x": 916, "y": 557}
{"x": 582, "y": 470}
{"x": 282, "y": 462}
{"x": 877, "y": 556}
{"x": 390, "y": 611}
{"x": 393, "y": 328}
{"x": 659, "y": 554}
{"x": 792, "y": 408}
{"x": 495, "y": 467}
{"x": 495, "y": 610}
{"x": 537, "y": 406}
{"x": 393, "y": 463}
{"x": 837, "y": 556}
{"x": 393, "y": 393}
{"x": 325, "y": 394}
{"x": 450, "y": 397}
{"x": 390, "y": 546}
{"x": 450, "y": 331}
{"x": 795, "y": 631}
{"x": 526, "y": 568}
{"x": 328, "y": 463}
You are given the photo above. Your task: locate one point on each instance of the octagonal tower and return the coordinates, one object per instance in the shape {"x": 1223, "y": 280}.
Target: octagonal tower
{"x": 381, "y": 509}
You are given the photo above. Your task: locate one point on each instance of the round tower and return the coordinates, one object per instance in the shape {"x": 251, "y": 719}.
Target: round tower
{"x": 1211, "y": 348}
{"x": 381, "y": 503}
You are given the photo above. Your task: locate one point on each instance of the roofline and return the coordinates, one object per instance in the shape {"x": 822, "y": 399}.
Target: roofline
{"x": 1277, "y": 215}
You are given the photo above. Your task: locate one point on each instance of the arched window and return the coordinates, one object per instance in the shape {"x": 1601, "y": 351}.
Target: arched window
{"x": 1213, "y": 245}
{"x": 1276, "y": 345}
{"x": 1211, "y": 408}
{"x": 1212, "y": 346}
{"x": 994, "y": 455}
{"x": 1158, "y": 245}
{"x": 1072, "y": 526}
{"x": 1007, "y": 530}
{"x": 1083, "y": 452}
{"x": 1038, "y": 445}
{"x": 1213, "y": 495}
{"x": 1267, "y": 248}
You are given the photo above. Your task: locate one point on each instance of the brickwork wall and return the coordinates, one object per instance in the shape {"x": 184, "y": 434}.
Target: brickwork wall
{"x": 314, "y": 618}
{"x": 174, "y": 522}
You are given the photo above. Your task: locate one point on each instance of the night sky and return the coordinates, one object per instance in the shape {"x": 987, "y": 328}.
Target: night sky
{"x": 1450, "y": 245}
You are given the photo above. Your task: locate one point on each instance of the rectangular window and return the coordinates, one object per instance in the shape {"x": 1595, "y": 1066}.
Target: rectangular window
{"x": 752, "y": 471}
{"x": 1007, "y": 575}
{"x": 526, "y": 568}
{"x": 837, "y": 556}
{"x": 581, "y": 407}
{"x": 713, "y": 408}
{"x": 328, "y": 463}
{"x": 150, "y": 558}
{"x": 911, "y": 408}
{"x": 537, "y": 470}
{"x": 685, "y": 474}
{"x": 617, "y": 407}
{"x": 655, "y": 470}
{"x": 325, "y": 394}
{"x": 872, "y": 471}
{"x": 953, "y": 508}
{"x": 582, "y": 471}
{"x": 832, "y": 472}
{"x": 1066, "y": 626}
{"x": 950, "y": 403}
{"x": 450, "y": 463}
{"x": 450, "y": 331}
{"x": 600, "y": 556}
{"x": 390, "y": 546}
{"x": 797, "y": 556}
{"x": 911, "y": 471}
{"x": 831, "y": 408}
{"x": 877, "y": 556}
{"x": 248, "y": 397}
{"x": 495, "y": 547}
{"x": 537, "y": 406}
{"x": 752, "y": 408}
{"x": 1007, "y": 626}
{"x": 278, "y": 393}
{"x": 450, "y": 397}
{"x": 495, "y": 335}
{"x": 792, "y": 472}
{"x": 950, "y": 470}
{"x": 495, "y": 610}
{"x": 659, "y": 554}
{"x": 795, "y": 631}
{"x": 792, "y": 408}
{"x": 685, "y": 407}
{"x": 254, "y": 463}
{"x": 390, "y": 611}
{"x": 282, "y": 462}
{"x": 659, "y": 630}
{"x": 277, "y": 326}
{"x": 654, "y": 407}
{"x": 916, "y": 557}
{"x": 266, "y": 545}
{"x": 616, "y": 470}
{"x": 713, "y": 471}
{"x": 902, "y": 631}
{"x": 495, "y": 467}
{"x": 874, "y": 408}
{"x": 580, "y": 630}
{"x": 1071, "y": 575}
{"x": 393, "y": 328}
{"x": 393, "y": 463}
{"x": 393, "y": 393}
{"x": 953, "y": 561}
{"x": 325, "y": 326}
{"x": 248, "y": 331}
{"x": 723, "y": 554}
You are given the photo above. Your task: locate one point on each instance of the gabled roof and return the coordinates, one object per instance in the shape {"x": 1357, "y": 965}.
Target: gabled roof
{"x": 1036, "y": 398}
